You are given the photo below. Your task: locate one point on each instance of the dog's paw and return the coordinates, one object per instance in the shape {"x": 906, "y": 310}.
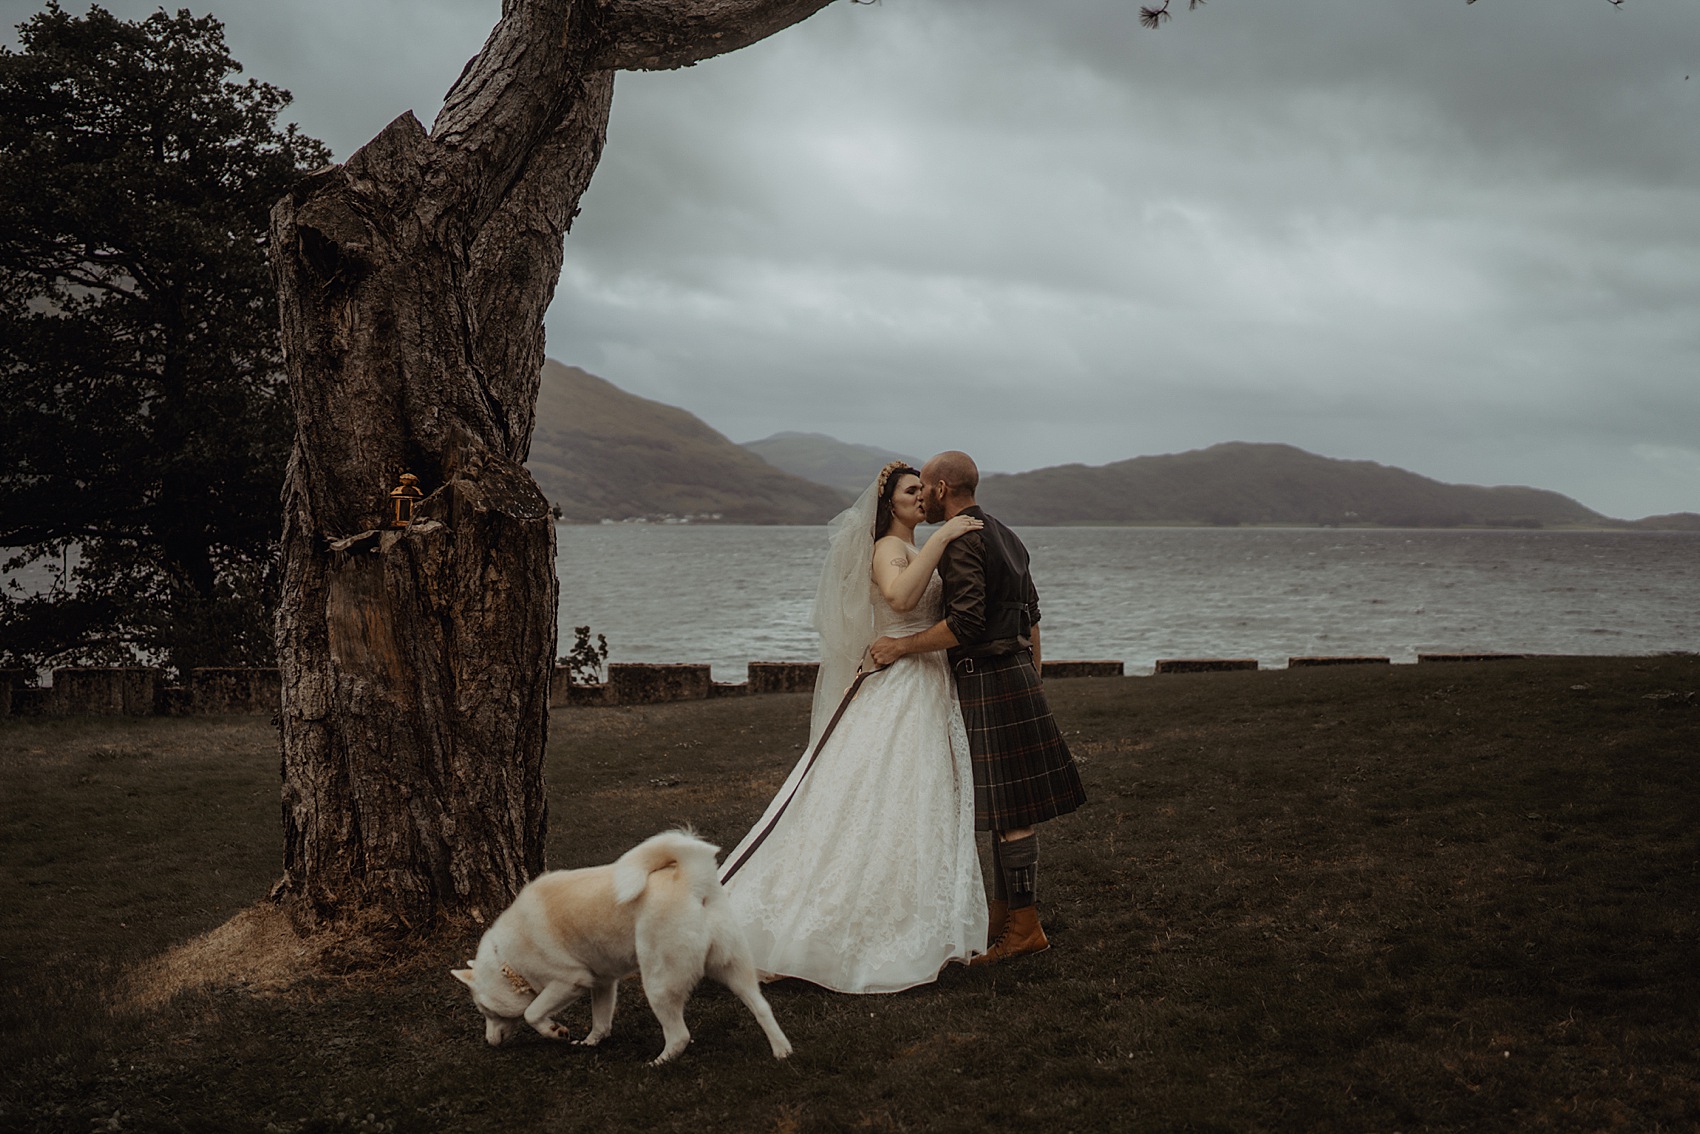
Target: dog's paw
{"x": 592, "y": 1039}
{"x": 555, "y": 1031}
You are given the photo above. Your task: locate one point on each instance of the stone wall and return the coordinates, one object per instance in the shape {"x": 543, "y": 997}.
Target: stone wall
{"x": 1468, "y": 657}
{"x": 1060, "y": 669}
{"x": 563, "y": 692}
{"x": 139, "y": 690}
{"x": 104, "y": 691}
{"x": 782, "y": 677}
{"x": 1354, "y": 659}
{"x": 1201, "y": 665}
{"x": 235, "y": 690}
{"x": 638, "y": 684}
{"x": 12, "y": 683}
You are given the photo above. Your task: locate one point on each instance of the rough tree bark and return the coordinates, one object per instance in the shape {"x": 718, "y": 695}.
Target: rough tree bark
{"x": 412, "y": 282}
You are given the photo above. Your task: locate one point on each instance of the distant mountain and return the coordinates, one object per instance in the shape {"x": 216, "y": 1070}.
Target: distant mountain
{"x": 825, "y": 460}
{"x": 1670, "y": 522}
{"x": 1242, "y": 483}
{"x": 601, "y": 453}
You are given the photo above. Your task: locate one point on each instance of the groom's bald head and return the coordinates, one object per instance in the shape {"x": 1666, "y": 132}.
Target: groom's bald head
{"x": 957, "y": 469}
{"x": 950, "y": 479}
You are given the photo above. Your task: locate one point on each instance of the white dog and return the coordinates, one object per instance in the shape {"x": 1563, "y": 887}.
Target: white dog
{"x": 658, "y": 911}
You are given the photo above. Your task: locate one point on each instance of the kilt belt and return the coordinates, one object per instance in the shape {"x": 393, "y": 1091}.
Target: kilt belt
{"x": 1023, "y": 772}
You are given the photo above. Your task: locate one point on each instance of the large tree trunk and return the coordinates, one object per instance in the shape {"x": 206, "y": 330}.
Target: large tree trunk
{"x": 412, "y": 281}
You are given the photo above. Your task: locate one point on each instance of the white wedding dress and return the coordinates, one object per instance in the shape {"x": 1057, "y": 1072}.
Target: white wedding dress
{"x": 870, "y": 882}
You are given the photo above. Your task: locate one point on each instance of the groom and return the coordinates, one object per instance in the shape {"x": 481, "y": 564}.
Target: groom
{"x": 1023, "y": 773}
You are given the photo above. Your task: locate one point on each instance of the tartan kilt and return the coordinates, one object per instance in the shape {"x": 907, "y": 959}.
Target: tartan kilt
{"x": 1023, "y": 772}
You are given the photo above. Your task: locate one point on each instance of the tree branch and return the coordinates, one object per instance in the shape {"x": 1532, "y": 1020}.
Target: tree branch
{"x": 522, "y": 242}
{"x": 659, "y": 35}
{"x": 507, "y": 101}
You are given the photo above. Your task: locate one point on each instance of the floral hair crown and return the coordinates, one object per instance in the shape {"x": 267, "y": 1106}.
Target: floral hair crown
{"x": 885, "y": 475}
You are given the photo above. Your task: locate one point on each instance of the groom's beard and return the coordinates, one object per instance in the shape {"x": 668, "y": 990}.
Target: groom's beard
{"x": 935, "y": 510}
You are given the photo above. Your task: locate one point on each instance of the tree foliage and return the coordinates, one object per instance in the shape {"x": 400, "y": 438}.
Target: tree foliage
{"x": 144, "y": 410}
{"x": 1153, "y": 16}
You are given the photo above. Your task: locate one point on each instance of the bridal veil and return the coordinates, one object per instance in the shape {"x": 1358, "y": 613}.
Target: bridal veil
{"x": 844, "y": 601}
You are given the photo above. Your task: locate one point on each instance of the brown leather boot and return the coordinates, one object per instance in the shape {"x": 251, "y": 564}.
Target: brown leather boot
{"x": 1022, "y": 934}
{"x": 995, "y": 919}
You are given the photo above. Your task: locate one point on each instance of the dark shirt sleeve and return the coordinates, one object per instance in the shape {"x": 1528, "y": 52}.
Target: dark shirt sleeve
{"x": 1032, "y": 602}
{"x": 963, "y": 570}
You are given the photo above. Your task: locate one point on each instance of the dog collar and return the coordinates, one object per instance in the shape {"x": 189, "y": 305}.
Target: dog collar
{"x": 518, "y": 983}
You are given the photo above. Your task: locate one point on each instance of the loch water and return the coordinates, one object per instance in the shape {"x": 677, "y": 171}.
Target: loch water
{"x": 728, "y": 595}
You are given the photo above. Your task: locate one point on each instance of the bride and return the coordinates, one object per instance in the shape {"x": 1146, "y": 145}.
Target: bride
{"x": 868, "y": 880}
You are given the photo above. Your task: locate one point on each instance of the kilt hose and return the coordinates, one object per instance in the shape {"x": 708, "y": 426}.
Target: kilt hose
{"x": 1023, "y": 773}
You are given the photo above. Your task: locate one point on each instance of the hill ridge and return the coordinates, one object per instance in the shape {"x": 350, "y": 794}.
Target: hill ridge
{"x": 600, "y": 453}
{"x": 1245, "y": 482}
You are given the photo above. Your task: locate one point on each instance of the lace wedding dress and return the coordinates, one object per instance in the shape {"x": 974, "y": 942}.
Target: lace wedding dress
{"x": 871, "y": 880}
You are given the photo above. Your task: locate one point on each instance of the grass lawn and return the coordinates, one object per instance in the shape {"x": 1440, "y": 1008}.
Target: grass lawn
{"x": 1439, "y": 897}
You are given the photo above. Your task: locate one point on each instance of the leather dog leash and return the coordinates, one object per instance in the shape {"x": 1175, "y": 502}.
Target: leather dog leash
{"x": 849, "y": 695}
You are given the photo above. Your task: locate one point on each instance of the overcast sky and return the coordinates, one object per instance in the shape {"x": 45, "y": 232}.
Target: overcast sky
{"x": 1464, "y": 240}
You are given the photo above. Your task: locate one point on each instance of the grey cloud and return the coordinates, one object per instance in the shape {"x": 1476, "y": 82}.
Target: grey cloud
{"x": 1462, "y": 239}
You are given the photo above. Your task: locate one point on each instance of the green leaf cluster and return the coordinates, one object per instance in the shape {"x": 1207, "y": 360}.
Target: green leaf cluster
{"x": 143, "y": 407}
{"x": 584, "y": 661}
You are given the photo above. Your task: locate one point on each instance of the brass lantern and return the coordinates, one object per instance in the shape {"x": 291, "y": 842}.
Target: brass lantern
{"x": 402, "y": 498}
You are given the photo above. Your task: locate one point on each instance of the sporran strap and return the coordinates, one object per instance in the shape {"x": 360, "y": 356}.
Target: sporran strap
{"x": 849, "y": 695}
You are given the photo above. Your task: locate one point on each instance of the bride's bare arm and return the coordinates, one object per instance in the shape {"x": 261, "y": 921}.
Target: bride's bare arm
{"x": 902, "y": 577}
{"x": 938, "y": 636}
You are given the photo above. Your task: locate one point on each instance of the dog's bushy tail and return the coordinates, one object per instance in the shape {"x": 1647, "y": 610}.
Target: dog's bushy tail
{"x": 693, "y": 857}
